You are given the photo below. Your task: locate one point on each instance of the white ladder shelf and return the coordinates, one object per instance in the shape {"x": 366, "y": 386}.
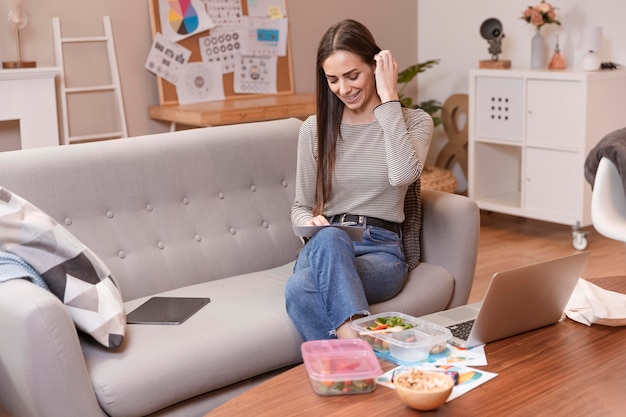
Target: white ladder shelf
{"x": 114, "y": 87}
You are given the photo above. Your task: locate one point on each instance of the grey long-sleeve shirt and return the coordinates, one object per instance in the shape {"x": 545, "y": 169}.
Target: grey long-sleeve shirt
{"x": 375, "y": 164}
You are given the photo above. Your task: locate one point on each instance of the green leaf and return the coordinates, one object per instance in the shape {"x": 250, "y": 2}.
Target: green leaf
{"x": 430, "y": 106}
{"x": 409, "y": 73}
{"x": 407, "y": 102}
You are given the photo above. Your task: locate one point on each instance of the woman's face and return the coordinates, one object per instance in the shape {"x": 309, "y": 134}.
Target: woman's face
{"x": 351, "y": 80}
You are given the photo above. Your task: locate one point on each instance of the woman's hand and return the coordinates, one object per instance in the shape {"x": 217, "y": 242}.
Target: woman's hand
{"x": 386, "y": 73}
{"x": 318, "y": 221}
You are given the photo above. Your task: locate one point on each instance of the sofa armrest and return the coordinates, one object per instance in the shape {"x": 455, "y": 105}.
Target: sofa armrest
{"x": 42, "y": 371}
{"x": 450, "y": 232}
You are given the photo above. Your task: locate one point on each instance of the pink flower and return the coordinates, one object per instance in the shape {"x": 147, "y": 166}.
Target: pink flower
{"x": 540, "y": 14}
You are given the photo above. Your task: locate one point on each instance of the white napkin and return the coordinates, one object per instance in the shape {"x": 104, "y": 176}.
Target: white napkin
{"x": 590, "y": 304}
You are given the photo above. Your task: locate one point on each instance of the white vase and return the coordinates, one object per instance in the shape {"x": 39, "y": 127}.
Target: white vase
{"x": 538, "y": 52}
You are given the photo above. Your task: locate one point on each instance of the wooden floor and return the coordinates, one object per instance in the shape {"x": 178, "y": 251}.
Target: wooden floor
{"x": 508, "y": 242}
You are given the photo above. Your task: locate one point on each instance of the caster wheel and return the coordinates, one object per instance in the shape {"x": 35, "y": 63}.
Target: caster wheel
{"x": 579, "y": 240}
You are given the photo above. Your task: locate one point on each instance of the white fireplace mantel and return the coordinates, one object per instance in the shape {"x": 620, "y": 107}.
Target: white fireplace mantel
{"x": 28, "y": 95}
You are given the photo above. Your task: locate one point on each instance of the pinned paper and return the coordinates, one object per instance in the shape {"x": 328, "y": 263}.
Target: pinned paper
{"x": 166, "y": 58}
{"x": 183, "y": 18}
{"x": 223, "y": 46}
{"x": 266, "y": 37}
{"x": 275, "y": 12}
{"x": 200, "y": 81}
{"x": 267, "y": 8}
{"x": 225, "y": 13}
{"x": 256, "y": 75}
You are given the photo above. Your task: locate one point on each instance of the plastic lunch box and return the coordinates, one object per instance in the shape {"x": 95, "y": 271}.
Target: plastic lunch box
{"x": 340, "y": 366}
{"x": 411, "y": 345}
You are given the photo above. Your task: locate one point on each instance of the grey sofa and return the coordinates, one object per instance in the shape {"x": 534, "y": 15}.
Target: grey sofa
{"x": 202, "y": 212}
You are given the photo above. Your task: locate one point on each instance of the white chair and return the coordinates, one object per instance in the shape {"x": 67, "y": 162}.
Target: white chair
{"x": 608, "y": 202}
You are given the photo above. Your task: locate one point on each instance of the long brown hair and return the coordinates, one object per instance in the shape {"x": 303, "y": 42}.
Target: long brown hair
{"x": 351, "y": 36}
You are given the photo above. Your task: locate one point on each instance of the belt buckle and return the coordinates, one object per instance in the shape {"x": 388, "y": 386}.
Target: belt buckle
{"x": 343, "y": 222}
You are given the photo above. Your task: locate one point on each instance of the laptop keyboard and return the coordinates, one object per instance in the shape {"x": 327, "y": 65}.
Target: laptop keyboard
{"x": 462, "y": 330}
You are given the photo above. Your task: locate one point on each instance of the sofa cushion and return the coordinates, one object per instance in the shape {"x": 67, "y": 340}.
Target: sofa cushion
{"x": 426, "y": 278}
{"x": 243, "y": 331}
{"x": 70, "y": 270}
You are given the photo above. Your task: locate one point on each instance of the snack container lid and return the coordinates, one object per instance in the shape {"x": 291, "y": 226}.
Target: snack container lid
{"x": 340, "y": 359}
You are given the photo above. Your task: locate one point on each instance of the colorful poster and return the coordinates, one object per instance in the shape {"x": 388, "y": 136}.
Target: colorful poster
{"x": 183, "y": 18}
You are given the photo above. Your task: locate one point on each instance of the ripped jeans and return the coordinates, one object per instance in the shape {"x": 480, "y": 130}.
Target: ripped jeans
{"x": 335, "y": 279}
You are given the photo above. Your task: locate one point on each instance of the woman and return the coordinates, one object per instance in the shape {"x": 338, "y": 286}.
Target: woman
{"x": 356, "y": 159}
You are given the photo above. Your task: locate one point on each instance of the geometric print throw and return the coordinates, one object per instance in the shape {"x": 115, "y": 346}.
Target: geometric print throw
{"x": 72, "y": 272}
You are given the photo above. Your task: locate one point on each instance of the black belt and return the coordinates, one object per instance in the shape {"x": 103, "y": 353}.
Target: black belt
{"x": 355, "y": 219}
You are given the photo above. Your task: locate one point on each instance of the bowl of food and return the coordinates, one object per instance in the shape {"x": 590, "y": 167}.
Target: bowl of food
{"x": 423, "y": 390}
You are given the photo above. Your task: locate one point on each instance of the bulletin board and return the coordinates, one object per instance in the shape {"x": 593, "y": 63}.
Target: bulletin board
{"x": 167, "y": 91}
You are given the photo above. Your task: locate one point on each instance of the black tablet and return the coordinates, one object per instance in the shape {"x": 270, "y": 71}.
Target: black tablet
{"x": 166, "y": 310}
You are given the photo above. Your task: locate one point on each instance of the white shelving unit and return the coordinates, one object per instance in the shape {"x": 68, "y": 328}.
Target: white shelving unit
{"x": 529, "y": 134}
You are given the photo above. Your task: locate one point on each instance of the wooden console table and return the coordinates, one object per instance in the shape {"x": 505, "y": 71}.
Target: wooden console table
{"x": 236, "y": 110}
{"x": 566, "y": 369}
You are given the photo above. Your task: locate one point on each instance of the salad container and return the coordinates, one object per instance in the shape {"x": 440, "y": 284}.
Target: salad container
{"x": 340, "y": 366}
{"x": 402, "y": 337}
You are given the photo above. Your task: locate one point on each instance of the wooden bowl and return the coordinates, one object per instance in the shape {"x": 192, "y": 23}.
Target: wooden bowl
{"x": 423, "y": 390}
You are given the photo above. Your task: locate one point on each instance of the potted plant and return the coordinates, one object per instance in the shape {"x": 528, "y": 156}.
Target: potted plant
{"x": 406, "y": 76}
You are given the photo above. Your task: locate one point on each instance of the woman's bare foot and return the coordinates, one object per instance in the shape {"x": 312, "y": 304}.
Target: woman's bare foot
{"x": 345, "y": 331}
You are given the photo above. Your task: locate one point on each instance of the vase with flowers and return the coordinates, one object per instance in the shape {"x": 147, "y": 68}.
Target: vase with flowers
{"x": 539, "y": 15}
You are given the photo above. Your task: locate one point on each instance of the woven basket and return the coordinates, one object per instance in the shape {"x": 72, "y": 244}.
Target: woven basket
{"x": 438, "y": 179}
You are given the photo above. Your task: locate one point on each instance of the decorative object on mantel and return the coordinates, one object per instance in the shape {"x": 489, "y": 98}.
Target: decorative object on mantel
{"x": 539, "y": 15}
{"x": 491, "y": 30}
{"x": 18, "y": 18}
{"x": 557, "y": 61}
{"x": 591, "y": 42}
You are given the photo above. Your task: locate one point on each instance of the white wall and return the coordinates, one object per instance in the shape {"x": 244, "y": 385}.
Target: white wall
{"x": 131, "y": 28}
{"x": 394, "y": 28}
{"x": 450, "y": 30}
{"x": 455, "y": 38}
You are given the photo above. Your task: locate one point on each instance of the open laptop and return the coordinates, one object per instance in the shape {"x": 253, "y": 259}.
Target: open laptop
{"x": 517, "y": 300}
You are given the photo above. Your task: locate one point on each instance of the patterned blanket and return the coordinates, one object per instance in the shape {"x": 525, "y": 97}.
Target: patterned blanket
{"x": 14, "y": 267}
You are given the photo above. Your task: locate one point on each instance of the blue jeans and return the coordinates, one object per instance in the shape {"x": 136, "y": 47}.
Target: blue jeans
{"x": 335, "y": 279}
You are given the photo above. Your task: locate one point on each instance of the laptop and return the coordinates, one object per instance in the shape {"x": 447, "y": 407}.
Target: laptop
{"x": 517, "y": 300}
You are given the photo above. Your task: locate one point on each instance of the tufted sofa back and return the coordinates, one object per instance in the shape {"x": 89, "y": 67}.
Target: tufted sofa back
{"x": 174, "y": 209}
